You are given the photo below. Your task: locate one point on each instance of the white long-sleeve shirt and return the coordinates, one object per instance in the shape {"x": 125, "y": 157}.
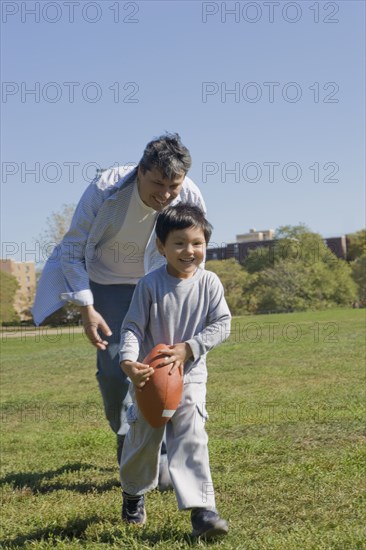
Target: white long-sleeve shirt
{"x": 169, "y": 310}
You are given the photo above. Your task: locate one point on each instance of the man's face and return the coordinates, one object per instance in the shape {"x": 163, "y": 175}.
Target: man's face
{"x": 157, "y": 191}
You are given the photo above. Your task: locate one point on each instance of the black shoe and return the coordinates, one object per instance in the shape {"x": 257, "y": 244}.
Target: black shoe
{"x": 133, "y": 509}
{"x": 207, "y": 524}
{"x": 120, "y": 442}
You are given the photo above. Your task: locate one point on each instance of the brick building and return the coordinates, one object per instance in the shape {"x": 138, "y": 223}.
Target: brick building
{"x": 25, "y": 274}
{"x": 264, "y": 239}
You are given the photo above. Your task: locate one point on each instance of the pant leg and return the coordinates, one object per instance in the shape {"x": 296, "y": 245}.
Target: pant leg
{"x": 112, "y": 302}
{"x": 140, "y": 455}
{"x": 187, "y": 447}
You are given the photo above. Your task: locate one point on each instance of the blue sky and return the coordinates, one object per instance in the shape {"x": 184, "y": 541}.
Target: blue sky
{"x": 285, "y": 146}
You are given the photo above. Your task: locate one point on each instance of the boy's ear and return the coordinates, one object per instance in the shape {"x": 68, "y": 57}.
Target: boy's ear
{"x": 160, "y": 246}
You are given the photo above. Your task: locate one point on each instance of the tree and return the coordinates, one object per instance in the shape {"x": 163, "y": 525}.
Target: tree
{"x": 359, "y": 276}
{"x": 57, "y": 225}
{"x": 294, "y": 243}
{"x": 281, "y": 288}
{"x": 236, "y": 282}
{"x": 8, "y": 287}
{"x": 299, "y": 272}
{"x": 69, "y": 314}
{"x": 356, "y": 244}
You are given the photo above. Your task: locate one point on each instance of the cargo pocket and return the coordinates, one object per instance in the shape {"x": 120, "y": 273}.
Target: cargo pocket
{"x": 201, "y": 407}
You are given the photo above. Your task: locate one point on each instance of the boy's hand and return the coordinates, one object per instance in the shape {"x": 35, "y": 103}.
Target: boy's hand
{"x": 178, "y": 355}
{"x": 138, "y": 373}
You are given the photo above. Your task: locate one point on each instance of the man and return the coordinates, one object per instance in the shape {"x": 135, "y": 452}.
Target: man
{"x": 110, "y": 245}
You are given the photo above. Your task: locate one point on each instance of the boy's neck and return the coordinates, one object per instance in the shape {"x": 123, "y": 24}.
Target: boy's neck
{"x": 172, "y": 272}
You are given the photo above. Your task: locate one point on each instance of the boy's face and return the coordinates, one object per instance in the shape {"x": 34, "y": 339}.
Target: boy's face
{"x": 184, "y": 250}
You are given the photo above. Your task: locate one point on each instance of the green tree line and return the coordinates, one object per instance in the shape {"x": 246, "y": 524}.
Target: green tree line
{"x": 296, "y": 272}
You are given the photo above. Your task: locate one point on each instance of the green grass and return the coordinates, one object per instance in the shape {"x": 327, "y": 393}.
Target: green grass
{"x": 286, "y": 403}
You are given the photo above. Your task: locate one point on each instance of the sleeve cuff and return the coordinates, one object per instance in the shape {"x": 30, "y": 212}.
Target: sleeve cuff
{"x": 127, "y": 356}
{"x": 195, "y": 347}
{"x": 81, "y": 298}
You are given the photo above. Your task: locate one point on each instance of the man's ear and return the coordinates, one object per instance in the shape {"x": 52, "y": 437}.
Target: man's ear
{"x": 160, "y": 246}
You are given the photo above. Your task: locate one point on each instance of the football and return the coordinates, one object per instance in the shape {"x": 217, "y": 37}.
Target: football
{"x": 160, "y": 396}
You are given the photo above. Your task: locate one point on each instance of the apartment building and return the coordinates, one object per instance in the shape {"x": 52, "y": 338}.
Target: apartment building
{"x": 25, "y": 274}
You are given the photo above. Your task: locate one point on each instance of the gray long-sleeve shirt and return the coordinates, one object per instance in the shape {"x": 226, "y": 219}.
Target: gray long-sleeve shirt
{"x": 168, "y": 310}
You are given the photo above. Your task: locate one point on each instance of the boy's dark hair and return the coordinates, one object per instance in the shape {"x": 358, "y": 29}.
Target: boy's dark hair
{"x": 181, "y": 216}
{"x": 168, "y": 154}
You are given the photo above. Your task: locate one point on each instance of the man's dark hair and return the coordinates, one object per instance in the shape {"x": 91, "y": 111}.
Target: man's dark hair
{"x": 181, "y": 216}
{"x": 167, "y": 153}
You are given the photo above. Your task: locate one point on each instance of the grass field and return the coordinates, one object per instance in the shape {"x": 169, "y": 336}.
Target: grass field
{"x": 285, "y": 398}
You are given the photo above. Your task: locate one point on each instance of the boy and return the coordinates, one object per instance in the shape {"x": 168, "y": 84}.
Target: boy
{"x": 183, "y": 306}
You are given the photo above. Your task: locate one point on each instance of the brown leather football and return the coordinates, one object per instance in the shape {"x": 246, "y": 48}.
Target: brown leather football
{"x": 159, "y": 398}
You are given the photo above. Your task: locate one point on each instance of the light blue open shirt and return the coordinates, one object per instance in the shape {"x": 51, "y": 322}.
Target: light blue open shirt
{"x": 97, "y": 218}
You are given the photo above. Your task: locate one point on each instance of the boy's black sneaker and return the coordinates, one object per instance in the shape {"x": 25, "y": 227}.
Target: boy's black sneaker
{"x": 207, "y": 524}
{"x": 133, "y": 509}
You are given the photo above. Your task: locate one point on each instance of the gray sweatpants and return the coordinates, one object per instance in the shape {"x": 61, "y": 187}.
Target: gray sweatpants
{"x": 186, "y": 441}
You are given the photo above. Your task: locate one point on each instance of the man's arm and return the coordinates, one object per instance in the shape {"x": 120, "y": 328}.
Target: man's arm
{"x": 73, "y": 248}
{"x": 73, "y": 244}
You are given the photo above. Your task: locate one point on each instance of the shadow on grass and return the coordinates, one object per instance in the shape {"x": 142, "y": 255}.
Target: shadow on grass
{"x": 73, "y": 529}
{"x": 169, "y": 535}
{"x": 42, "y": 482}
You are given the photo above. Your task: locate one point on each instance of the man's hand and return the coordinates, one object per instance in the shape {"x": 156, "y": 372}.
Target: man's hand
{"x": 92, "y": 321}
{"x": 139, "y": 373}
{"x": 178, "y": 355}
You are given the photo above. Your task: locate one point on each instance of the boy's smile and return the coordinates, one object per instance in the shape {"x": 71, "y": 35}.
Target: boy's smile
{"x": 184, "y": 250}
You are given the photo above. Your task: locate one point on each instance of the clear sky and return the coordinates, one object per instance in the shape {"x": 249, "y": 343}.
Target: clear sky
{"x": 268, "y": 97}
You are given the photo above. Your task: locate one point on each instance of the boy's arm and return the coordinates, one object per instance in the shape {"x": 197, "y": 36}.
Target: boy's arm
{"x": 218, "y": 322}
{"x": 132, "y": 334}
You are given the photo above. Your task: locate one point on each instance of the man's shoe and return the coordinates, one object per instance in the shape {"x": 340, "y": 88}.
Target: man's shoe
{"x": 133, "y": 509}
{"x": 164, "y": 481}
{"x": 207, "y": 524}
